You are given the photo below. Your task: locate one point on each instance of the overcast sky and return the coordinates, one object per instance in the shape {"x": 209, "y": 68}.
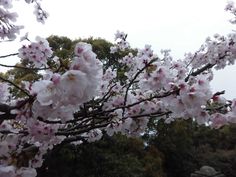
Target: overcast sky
{"x": 179, "y": 25}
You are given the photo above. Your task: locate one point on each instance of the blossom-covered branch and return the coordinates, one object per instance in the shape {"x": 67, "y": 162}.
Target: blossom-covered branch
{"x": 78, "y": 100}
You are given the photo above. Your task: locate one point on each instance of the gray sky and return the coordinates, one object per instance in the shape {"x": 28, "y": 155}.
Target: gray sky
{"x": 179, "y": 25}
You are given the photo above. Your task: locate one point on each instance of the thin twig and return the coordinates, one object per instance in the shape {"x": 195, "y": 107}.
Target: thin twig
{"x": 16, "y": 86}
{"x": 77, "y": 132}
{"x": 155, "y": 114}
{"x": 21, "y": 67}
{"x": 9, "y": 55}
{"x": 143, "y": 100}
{"x": 133, "y": 80}
{"x": 107, "y": 95}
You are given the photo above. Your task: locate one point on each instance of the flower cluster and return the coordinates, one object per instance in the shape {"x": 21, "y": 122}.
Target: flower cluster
{"x": 36, "y": 53}
{"x": 41, "y": 15}
{"x": 230, "y": 7}
{"x": 59, "y": 96}
{"x": 7, "y": 29}
{"x": 218, "y": 52}
{"x": 78, "y": 101}
{"x": 122, "y": 44}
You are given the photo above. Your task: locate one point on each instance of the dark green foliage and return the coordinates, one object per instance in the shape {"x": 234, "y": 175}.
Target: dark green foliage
{"x": 116, "y": 156}
{"x": 63, "y": 47}
{"x": 176, "y": 143}
{"x": 187, "y": 146}
{"x": 175, "y": 149}
{"x": 218, "y": 149}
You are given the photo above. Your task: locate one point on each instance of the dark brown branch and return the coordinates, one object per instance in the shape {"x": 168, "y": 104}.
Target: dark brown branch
{"x": 219, "y": 93}
{"x": 7, "y": 112}
{"x": 7, "y": 116}
{"x": 50, "y": 121}
{"x": 21, "y": 67}
{"x": 7, "y": 109}
{"x": 78, "y": 132}
{"x": 143, "y": 100}
{"x": 107, "y": 95}
{"x": 16, "y": 86}
{"x": 5, "y": 56}
{"x": 155, "y": 114}
{"x": 133, "y": 80}
{"x": 199, "y": 71}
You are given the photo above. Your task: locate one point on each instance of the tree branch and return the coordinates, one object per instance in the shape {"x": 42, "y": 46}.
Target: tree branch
{"x": 9, "y": 55}
{"x": 21, "y": 67}
{"x": 16, "y": 86}
{"x": 133, "y": 80}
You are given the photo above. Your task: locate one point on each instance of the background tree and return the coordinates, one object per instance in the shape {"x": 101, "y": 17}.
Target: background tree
{"x": 186, "y": 147}
{"x": 116, "y": 156}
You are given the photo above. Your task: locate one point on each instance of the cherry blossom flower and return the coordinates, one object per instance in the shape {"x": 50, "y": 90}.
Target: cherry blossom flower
{"x": 37, "y": 52}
